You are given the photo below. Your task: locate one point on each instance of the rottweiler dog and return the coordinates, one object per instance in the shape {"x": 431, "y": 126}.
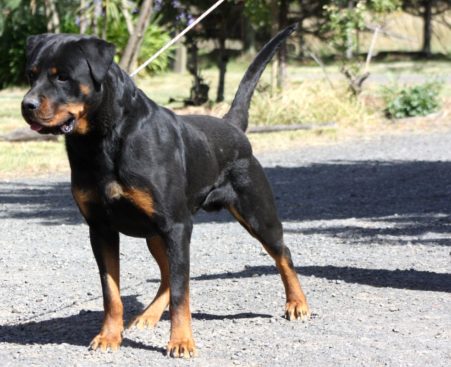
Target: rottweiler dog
{"x": 141, "y": 170}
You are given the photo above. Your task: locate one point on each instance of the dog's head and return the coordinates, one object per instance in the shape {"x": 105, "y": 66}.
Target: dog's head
{"x": 66, "y": 73}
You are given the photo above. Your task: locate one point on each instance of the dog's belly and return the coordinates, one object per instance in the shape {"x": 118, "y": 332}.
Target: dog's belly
{"x": 130, "y": 220}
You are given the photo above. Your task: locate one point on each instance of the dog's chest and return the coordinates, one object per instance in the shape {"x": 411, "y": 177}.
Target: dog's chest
{"x": 128, "y": 209}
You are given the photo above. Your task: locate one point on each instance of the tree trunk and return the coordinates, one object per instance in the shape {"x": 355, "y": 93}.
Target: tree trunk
{"x": 274, "y": 30}
{"x": 127, "y": 17}
{"x": 53, "y": 20}
{"x": 427, "y": 27}
{"x": 222, "y": 62}
{"x": 349, "y": 35}
{"x": 135, "y": 40}
{"x": 282, "y": 54}
{"x": 105, "y": 21}
{"x": 83, "y": 17}
{"x": 96, "y": 16}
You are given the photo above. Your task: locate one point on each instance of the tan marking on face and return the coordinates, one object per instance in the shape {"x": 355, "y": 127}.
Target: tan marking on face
{"x": 53, "y": 70}
{"x": 83, "y": 198}
{"x": 65, "y": 112}
{"x": 84, "y": 89}
{"x": 34, "y": 69}
{"x": 82, "y": 126}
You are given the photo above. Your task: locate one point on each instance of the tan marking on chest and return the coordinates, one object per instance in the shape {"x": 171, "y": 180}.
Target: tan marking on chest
{"x": 139, "y": 198}
{"x": 84, "y": 89}
{"x": 113, "y": 190}
{"x": 83, "y": 198}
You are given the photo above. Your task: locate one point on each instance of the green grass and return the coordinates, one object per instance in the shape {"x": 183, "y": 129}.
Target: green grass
{"x": 32, "y": 158}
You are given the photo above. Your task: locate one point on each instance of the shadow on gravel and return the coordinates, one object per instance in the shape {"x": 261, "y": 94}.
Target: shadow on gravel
{"x": 413, "y": 197}
{"x": 402, "y": 279}
{"x": 81, "y": 328}
{"x": 75, "y": 330}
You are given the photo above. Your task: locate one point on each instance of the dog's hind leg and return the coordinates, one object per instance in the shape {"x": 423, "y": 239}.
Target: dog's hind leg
{"x": 152, "y": 314}
{"x": 255, "y": 209}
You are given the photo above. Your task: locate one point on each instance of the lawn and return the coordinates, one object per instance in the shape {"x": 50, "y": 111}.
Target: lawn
{"x": 309, "y": 99}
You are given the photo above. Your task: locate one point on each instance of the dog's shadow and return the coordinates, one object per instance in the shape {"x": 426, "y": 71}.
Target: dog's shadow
{"x": 79, "y": 329}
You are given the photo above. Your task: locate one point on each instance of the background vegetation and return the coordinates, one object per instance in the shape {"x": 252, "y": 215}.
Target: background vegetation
{"x": 352, "y": 64}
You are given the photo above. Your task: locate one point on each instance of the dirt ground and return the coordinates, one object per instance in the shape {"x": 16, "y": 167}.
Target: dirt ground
{"x": 368, "y": 224}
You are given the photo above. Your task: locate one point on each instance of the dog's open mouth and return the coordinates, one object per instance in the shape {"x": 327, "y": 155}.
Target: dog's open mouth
{"x": 64, "y": 128}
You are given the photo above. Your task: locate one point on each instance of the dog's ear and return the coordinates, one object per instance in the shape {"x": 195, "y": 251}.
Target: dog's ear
{"x": 99, "y": 54}
{"x": 34, "y": 43}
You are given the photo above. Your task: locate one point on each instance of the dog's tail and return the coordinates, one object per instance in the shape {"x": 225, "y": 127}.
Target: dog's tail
{"x": 239, "y": 112}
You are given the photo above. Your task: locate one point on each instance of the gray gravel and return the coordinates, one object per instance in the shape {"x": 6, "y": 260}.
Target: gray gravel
{"x": 368, "y": 223}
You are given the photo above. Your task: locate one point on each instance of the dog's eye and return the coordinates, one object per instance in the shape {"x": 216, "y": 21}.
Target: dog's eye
{"x": 62, "y": 77}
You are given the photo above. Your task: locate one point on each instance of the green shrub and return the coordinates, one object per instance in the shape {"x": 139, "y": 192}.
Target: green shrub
{"x": 154, "y": 38}
{"x": 19, "y": 24}
{"x": 419, "y": 100}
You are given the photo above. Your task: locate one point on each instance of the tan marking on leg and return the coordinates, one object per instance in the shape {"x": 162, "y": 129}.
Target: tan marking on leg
{"x": 181, "y": 343}
{"x": 110, "y": 335}
{"x": 296, "y": 307}
{"x": 152, "y": 314}
{"x": 83, "y": 198}
{"x": 240, "y": 219}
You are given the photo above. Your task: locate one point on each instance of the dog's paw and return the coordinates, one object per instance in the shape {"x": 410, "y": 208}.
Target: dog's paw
{"x": 295, "y": 310}
{"x": 144, "y": 320}
{"x": 105, "y": 341}
{"x": 181, "y": 348}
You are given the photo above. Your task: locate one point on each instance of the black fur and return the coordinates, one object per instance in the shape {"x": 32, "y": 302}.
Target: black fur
{"x": 138, "y": 168}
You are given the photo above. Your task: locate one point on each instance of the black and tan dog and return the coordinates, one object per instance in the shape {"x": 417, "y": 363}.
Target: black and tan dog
{"x": 139, "y": 169}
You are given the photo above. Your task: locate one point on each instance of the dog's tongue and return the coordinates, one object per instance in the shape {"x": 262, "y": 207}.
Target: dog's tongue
{"x": 36, "y": 127}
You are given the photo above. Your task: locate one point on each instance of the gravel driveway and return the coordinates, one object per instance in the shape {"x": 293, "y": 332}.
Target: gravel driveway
{"x": 368, "y": 223}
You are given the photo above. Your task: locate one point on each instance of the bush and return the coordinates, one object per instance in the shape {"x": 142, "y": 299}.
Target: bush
{"x": 419, "y": 100}
{"x": 19, "y": 24}
{"x": 154, "y": 38}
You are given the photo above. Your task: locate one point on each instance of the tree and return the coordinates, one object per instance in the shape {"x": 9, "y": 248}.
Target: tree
{"x": 427, "y": 9}
{"x": 130, "y": 54}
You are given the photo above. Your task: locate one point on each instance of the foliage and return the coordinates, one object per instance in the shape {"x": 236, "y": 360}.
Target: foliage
{"x": 19, "y": 24}
{"x": 258, "y": 12}
{"x": 343, "y": 23}
{"x": 419, "y": 100}
{"x": 155, "y": 38}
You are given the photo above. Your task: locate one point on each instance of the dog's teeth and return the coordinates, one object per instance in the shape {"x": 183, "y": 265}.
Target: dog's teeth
{"x": 67, "y": 128}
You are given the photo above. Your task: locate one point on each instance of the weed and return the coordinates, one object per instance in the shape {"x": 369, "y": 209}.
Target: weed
{"x": 419, "y": 100}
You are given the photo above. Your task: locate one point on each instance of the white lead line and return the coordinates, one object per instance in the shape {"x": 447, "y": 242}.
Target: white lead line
{"x": 175, "y": 39}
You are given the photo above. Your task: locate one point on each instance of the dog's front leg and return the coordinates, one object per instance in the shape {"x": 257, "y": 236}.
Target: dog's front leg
{"x": 181, "y": 343}
{"x": 105, "y": 245}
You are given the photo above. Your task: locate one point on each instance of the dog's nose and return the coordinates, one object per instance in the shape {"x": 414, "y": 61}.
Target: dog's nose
{"x": 30, "y": 103}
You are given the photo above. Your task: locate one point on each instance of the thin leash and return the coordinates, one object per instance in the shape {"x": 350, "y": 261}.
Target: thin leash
{"x": 175, "y": 39}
